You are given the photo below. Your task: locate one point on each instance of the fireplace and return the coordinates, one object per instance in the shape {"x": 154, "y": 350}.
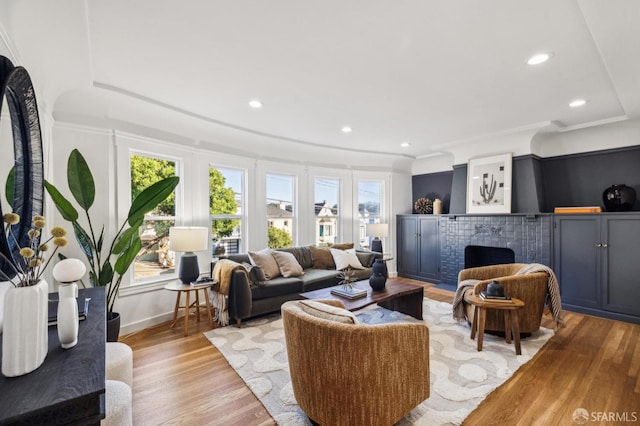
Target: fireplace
{"x": 484, "y": 256}
{"x": 527, "y": 236}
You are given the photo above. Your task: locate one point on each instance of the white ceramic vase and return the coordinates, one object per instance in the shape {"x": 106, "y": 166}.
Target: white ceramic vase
{"x": 25, "y": 336}
{"x": 67, "y": 322}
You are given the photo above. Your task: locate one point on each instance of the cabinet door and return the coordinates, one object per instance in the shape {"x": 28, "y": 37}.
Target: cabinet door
{"x": 621, "y": 268}
{"x": 408, "y": 245}
{"x": 429, "y": 250}
{"x": 576, "y": 259}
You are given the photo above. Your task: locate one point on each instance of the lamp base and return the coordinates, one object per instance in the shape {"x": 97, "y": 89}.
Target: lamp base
{"x": 376, "y": 245}
{"x": 189, "y": 270}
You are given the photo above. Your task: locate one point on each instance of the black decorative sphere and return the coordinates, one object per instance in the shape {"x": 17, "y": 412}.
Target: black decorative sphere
{"x": 619, "y": 198}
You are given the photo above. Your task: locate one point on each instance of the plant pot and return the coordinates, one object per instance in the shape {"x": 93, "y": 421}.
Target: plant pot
{"x": 25, "y": 336}
{"x": 113, "y": 326}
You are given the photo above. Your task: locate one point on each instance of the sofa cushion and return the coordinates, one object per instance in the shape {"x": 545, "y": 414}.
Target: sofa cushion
{"x": 266, "y": 261}
{"x": 341, "y": 246}
{"x": 314, "y": 279}
{"x": 287, "y": 263}
{"x": 256, "y": 274}
{"x": 276, "y": 287}
{"x": 367, "y": 257}
{"x": 345, "y": 259}
{"x": 322, "y": 258}
{"x": 328, "y": 312}
{"x": 302, "y": 254}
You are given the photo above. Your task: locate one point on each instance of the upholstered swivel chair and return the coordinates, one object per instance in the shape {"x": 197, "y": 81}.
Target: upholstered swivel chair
{"x": 531, "y": 288}
{"x": 347, "y": 373}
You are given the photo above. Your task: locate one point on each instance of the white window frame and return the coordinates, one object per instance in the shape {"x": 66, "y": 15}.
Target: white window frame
{"x": 339, "y": 215}
{"x": 295, "y": 232}
{"x": 242, "y": 217}
{"x": 126, "y": 146}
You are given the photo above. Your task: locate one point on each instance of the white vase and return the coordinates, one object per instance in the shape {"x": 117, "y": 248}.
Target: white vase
{"x": 67, "y": 322}
{"x": 25, "y": 337}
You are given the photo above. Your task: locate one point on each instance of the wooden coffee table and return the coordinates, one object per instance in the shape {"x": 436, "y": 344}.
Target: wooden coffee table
{"x": 396, "y": 296}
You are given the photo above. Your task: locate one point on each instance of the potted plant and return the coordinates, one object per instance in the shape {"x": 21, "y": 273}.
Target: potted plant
{"x": 108, "y": 262}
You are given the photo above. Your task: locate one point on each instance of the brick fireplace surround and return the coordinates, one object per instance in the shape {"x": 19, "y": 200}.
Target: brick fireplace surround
{"x": 528, "y": 235}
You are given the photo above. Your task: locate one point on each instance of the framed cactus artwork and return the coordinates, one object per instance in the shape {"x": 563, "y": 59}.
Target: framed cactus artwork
{"x": 489, "y": 184}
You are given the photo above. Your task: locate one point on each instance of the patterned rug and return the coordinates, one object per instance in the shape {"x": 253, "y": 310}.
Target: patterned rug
{"x": 461, "y": 377}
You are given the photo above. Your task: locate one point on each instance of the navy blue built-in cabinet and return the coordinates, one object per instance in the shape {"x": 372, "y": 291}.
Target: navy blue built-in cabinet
{"x": 597, "y": 262}
{"x": 418, "y": 247}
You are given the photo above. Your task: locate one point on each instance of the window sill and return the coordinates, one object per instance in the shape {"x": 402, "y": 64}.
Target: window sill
{"x": 145, "y": 287}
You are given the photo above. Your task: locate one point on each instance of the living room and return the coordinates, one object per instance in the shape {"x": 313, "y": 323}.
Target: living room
{"x": 366, "y": 96}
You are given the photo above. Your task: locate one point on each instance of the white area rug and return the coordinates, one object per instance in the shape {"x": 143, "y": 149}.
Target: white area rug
{"x": 461, "y": 377}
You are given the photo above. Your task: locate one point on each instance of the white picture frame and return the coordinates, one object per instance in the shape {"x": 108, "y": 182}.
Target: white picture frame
{"x": 489, "y": 184}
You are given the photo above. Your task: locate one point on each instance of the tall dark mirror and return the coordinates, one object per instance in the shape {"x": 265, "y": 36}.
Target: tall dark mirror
{"x": 26, "y": 192}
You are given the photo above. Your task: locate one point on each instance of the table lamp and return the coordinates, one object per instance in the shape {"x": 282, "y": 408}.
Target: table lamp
{"x": 188, "y": 239}
{"x": 377, "y": 230}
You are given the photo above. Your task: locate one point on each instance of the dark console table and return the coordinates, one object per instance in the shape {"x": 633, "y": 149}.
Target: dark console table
{"x": 68, "y": 388}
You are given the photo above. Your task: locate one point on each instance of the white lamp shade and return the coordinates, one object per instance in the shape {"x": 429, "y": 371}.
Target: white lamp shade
{"x": 188, "y": 238}
{"x": 69, "y": 270}
{"x": 380, "y": 230}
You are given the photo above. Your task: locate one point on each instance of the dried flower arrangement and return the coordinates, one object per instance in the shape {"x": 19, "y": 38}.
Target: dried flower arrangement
{"x": 32, "y": 264}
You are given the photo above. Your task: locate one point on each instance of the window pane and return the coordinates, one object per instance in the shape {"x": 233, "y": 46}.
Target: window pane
{"x": 154, "y": 258}
{"x": 327, "y": 196}
{"x": 225, "y": 208}
{"x": 280, "y": 214}
{"x": 369, "y": 202}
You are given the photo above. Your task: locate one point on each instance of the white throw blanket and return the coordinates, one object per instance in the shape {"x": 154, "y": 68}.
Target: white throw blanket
{"x": 552, "y": 287}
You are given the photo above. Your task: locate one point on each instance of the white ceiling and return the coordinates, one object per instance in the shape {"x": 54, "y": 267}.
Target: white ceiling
{"x": 429, "y": 72}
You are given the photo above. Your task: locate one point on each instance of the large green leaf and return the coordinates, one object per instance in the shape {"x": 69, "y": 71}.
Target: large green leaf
{"x": 83, "y": 240}
{"x": 150, "y": 197}
{"x": 106, "y": 274}
{"x": 9, "y": 186}
{"x": 63, "y": 205}
{"x": 125, "y": 240}
{"x": 80, "y": 180}
{"x": 126, "y": 258}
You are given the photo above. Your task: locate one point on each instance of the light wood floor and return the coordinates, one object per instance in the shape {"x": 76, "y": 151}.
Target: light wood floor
{"x": 593, "y": 364}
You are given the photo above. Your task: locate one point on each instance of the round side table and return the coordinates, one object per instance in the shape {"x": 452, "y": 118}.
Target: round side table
{"x": 511, "y": 324}
{"x": 187, "y": 289}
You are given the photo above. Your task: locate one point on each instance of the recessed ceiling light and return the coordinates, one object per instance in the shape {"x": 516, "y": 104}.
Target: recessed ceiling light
{"x": 539, "y": 58}
{"x": 346, "y": 129}
{"x": 254, "y": 103}
{"x": 577, "y": 103}
{"x": 405, "y": 144}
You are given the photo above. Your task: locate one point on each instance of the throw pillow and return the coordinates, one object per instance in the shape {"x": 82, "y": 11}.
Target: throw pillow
{"x": 256, "y": 274}
{"x": 342, "y": 246}
{"x": 322, "y": 258}
{"x": 328, "y": 312}
{"x": 345, "y": 259}
{"x": 289, "y": 266}
{"x": 266, "y": 261}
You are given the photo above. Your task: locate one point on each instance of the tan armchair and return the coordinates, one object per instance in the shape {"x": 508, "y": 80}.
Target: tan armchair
{"x": 531, "y": 288}
{"x": 355, "y": 374}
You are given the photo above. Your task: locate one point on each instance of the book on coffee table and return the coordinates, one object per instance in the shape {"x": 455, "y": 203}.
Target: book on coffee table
{"x": 485, "y": 296}
{"x": 349, "y": 293}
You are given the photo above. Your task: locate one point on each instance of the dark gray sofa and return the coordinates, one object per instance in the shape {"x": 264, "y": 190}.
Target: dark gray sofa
{"x": 247, "y": 299}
